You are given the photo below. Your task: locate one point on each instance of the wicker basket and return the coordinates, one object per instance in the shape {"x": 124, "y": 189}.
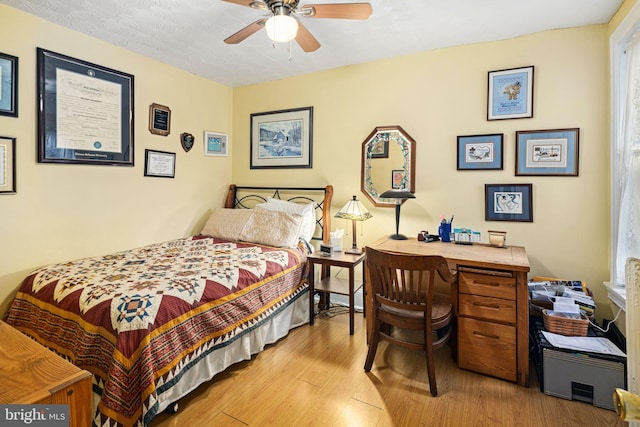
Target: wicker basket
{"x": 565, "y": 325}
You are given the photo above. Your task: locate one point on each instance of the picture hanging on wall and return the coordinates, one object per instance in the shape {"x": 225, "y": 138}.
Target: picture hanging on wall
{"x": 8, "y": 85}
{"x": 216, "y": 144}
{"x": 480, "y": 152}
{"x": 508, "y": 202}
{"x": 510, "y": 94}
{"x": 547, "y": 152}
{"x": 7, "y": 165}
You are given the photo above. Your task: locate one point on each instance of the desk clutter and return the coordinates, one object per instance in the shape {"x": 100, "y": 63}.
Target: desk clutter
{"x": 575, "y": 358}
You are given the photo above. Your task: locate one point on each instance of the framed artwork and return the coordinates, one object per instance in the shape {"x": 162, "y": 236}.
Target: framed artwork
{"x": 7, "y": 165}
{"x": 216, "y": 144}
{"x": 160, "y": 164}
{"x": 282, "y": 139}
{"x": 8, "y": 85}
{"x": 85, "y": 112}
{"x": 380, "y": 149}
{"x": 508, "y": 202}
{"x": 547, "y": 152}
{"x": 510, "y": 94}
{"x": 480, "y": 152}
{"x": 159, "y": 119}
{"x": 397, "y": 179}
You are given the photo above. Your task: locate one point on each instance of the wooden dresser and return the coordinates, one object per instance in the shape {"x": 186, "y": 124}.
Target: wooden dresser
{"x": 32, "y": 374}
{"x": 491, "y": 302}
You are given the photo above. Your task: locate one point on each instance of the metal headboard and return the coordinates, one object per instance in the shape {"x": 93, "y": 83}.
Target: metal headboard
{"x": 243, "y": 197}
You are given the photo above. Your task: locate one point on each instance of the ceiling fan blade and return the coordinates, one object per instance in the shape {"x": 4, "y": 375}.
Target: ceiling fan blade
{"x": 360, "y": 11}
{"x": 249, "y": 3}
{"x": 305, "y": 39}
{"x": 245, "y": 32}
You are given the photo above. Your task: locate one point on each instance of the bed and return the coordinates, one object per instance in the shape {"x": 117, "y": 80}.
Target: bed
{"x": 153, "y": 323}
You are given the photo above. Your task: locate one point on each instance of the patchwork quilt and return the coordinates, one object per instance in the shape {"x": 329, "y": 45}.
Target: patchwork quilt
{"x": 138, "y": 319}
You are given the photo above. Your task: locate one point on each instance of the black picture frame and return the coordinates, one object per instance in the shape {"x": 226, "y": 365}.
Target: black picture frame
{"x": 9, "y": 85}
{"x": 159, "y": 119}
{"x": 160, "y": 164}
{"x": 508, "y": 202}
{"x": 282, "y": 139}
{"x": 7, "y": 165}
{"x": 510, "y": 93}
{"x": 85, "y": 112}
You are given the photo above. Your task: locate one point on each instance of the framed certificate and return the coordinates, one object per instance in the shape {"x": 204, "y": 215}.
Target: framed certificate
{"x": 7, "y": 165}
{"x": 160, "y": 164}
{"x": 159, "y": 119}
{"x": 85, "y": 112}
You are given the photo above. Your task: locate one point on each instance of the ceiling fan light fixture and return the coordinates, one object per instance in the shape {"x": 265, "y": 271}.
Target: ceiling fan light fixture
{"x": 281, "y": 28}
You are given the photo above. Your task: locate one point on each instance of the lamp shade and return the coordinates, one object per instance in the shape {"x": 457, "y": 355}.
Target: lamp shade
{"x": 354, "y": 210}
{"x": 281, "y": 28}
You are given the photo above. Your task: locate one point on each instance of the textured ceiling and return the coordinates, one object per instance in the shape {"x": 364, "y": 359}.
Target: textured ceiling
{"x": 189, "y": 34}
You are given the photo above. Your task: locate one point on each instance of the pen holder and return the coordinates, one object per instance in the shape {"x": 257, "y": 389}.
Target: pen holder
{"x": 444, "y": 231}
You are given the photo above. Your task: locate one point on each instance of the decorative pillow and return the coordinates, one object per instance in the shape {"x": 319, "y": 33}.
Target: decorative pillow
{"x": 307, "y": 211}
{"x": 227, "y": 224}
{"x": 280, "y": 229}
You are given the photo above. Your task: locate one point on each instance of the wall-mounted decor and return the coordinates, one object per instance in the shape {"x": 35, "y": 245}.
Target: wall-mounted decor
{"x": 282, "y": 139}
{"x": 547, "y": 152}
{"x": 397, "y": 179}
{"x": 480, "y": 152}
{"x": 159, "y": 163}
{"x": 510, "y": 94}
{"x": 216, "y": 144}
{"x": 8, "y": 85}
{"x": 85, "y": 112}
{"x": 186, "y": 140}
{"x": 508, "y": 202}
{"x": 159, "y": 119}
{"x": 380, "y": 150}
{"x": 7, "y": 165}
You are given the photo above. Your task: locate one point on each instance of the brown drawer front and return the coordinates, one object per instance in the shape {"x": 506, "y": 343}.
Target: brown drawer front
{"x": 487, "y": 285}
{"x": 488, "y": 308}
{"x": 487, "y": 348}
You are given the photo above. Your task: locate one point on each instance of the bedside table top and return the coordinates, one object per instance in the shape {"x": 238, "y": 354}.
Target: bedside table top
{"x": 336, "y": 259}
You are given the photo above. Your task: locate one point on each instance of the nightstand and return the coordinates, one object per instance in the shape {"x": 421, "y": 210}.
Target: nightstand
{"x": 329, "y": 284}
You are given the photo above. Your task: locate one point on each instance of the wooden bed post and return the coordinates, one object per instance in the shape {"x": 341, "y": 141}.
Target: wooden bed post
{"x": 230, "y": 200}
{"x": 326, "y": 213}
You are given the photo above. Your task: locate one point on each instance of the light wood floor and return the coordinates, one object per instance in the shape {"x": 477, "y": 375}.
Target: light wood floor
{"x": 315, "y": 377}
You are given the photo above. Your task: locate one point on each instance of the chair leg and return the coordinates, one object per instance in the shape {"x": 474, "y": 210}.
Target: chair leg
{"x": 428, "y": 352}
{"x": 374, "y": 339}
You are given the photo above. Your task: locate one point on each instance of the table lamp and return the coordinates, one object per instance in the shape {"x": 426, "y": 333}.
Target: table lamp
{"x": 398, "y": 196}
{"x": 355, "y": 211}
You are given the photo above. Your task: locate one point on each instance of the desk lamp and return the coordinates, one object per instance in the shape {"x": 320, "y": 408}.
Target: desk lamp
{"x": 398, "y": 196}
{"x": 355, "y": 211}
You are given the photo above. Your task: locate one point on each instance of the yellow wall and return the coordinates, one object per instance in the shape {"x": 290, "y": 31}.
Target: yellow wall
{"x": 63, "y": 212}
{"x": 438, "y": 95}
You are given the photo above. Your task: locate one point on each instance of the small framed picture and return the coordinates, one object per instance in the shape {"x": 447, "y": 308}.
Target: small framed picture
{"x": 508, "y": 202}
{"x": 8, "y": 85}
{"x": 7, "y": 165}
{"x": 547, "y": 152}
{"x": 159, "y": 119}
{"x": 510, "y": 94}
{"x": 398, "y": 180}
{"x": 480, "y": 152}
{"x": 380, "y": 149}
{"x": 160, "y": 164}
{"x": 216, "y": 144}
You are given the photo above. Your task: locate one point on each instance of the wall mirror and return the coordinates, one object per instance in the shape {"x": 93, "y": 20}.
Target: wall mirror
{"x": 388, "y": 161}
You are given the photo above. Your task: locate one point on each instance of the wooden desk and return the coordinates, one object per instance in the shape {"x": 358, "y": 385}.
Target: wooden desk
{"x": 32, "y": 374}
{"x": 490, "y": 300}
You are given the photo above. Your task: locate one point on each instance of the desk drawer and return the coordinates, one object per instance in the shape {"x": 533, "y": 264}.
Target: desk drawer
{"x": 488, "y": 348}
{"x": 498, "y": 286}
{"x": 481, "y": 307}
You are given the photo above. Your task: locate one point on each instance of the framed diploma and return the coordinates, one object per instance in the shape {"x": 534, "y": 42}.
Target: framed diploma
{"x": 8, "y": 85}
{"x": 85, "y": 112}
{"x": 159, "y": 119}
{"x": 159, "y": 163}
{"x": 7, "y": 165}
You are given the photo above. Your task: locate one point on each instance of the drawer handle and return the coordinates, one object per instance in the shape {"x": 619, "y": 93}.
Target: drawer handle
{"x": 484, "y": 335}
{"x": 494, "y": 284}
{"x": 485, "y": 305}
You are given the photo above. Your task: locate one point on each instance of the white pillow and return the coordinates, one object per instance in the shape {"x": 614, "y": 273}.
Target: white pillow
{"x": 307, "y": 211}
{"x": 280, "y": 229}
{"x": 227, "y": 224}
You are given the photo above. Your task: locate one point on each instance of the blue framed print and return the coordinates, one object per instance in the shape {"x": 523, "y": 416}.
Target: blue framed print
{"x": 480, "y": 152}
{"x": 510, "y": 94}
{"x": 547, "y": 152}
{"x": 8, "y": 85}
{"x": 508, "y": 202}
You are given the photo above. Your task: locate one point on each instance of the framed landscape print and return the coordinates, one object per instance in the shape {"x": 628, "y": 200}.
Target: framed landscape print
{"x": 282, "y": 139}
{"x": 508, "y": 202}
{"x": 85, "y": 113}
{"x": 510, "y": 94}
{"x": 547, "y": 152}
{"x": 480, "y": 152}
{"x": 8, "y": 85}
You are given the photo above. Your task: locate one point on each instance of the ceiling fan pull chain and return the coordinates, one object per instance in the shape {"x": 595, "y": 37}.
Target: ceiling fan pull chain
{"x": 290, "y": 43}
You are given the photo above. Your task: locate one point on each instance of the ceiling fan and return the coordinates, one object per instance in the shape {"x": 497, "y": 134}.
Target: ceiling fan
{"x": 283, "y": 26}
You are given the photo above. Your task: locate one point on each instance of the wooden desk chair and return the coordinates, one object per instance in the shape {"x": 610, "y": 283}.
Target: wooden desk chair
{"x": 402, "y": 288}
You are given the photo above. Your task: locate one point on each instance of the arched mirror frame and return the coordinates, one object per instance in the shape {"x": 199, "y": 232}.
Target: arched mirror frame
{"x": 391, "y": 134}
